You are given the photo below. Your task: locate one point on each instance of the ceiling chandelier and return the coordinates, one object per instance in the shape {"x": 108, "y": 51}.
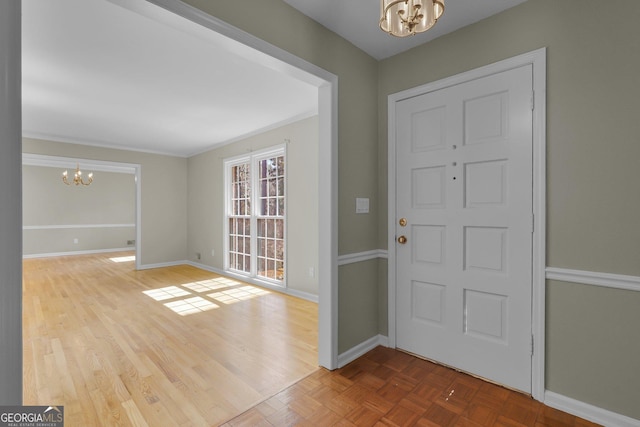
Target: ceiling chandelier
{"x": 77, "y": 177}
{"x": 402, "y": 18}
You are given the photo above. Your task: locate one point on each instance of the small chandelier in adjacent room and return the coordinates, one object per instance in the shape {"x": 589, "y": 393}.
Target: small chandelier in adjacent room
{"x": 402, "y": 18}
{"x": 77, "y": 177}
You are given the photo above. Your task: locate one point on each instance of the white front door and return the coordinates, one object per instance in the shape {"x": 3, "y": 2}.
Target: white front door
{"x": 464, "y": 186}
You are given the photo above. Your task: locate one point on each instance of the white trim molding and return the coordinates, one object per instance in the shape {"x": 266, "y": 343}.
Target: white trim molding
{"x": 75, "y": 226}
{"x": 31, "y": 159}
{"x": 588, "y": 412}
{"x": 362, "y": 256}
{"x": 608, "y": 280}
{"x": 160, "y": 265}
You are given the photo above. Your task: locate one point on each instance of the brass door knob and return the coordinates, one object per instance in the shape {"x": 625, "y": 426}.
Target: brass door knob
{"x": 402, "y": 240}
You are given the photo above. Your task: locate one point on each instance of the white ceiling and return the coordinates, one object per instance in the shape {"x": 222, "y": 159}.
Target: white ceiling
{"x": 97, "y": 73}
{"x": 357, "y": 21}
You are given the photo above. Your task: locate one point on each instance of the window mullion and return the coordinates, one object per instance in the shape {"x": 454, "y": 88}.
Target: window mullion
{"x": 254, "y": 215}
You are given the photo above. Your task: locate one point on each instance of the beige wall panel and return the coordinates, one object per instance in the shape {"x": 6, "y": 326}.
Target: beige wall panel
{"x": 46, "y": 200}
{"x": 55, "y": 241}
{"x": 383, "y": 298}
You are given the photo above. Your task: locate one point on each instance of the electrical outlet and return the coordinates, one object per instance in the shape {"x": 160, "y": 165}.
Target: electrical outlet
{"x": 198, "y": 256}
{"x": 75, "y": 241}
{"x": 131, "y": 242}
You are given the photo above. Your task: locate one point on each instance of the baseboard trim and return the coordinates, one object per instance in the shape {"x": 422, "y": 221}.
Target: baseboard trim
{"x": 608, "y": 280}
{"x": 87, "y": 252}
{"x": 161, "y": 265}
{"x": 588, "y": 412}
{"x": 361, "y": 349}
{"x": 288, "y": 291}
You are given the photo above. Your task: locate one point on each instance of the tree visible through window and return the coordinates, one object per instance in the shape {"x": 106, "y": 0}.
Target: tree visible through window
{"x": 271, "y": 218}
{"x": 240, "y": 219}
{"x": 256, "y": 215}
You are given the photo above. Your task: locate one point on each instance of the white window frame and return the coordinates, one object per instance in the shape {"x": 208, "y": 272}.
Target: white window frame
{"x": 253, "y": 159}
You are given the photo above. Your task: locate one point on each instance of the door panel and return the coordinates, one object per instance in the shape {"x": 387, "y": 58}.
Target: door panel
{"x": 464, "y": 184}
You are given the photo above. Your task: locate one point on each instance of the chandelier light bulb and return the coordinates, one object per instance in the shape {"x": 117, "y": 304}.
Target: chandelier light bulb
{"x": 77, "y": 177}
{"x": 402, "y": 18}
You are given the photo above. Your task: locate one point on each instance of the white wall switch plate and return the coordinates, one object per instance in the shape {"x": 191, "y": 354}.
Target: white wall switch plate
{"x": 362, "y": 205}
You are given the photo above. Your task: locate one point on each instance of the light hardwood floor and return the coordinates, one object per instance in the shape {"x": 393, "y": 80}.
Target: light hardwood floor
{"x": 173, "y": 346}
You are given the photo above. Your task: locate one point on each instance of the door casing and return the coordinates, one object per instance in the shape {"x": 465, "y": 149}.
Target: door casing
{"x": 537, "y": 59}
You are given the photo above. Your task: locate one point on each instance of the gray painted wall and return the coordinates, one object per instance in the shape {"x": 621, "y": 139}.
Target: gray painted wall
{"x": 206, "y": 200}
{"x": 51, "y": 208}
{"x": 10, "y": 207}
{"x": 593, "y": 350}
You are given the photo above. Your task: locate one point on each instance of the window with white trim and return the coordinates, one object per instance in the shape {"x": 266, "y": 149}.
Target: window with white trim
{"x": 256, "y": 223}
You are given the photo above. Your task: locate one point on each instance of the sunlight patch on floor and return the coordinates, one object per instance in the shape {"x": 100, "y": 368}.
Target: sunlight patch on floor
{"x": 123, "y": 258}
{"x": 193, "y": 305}
{"x": 211, "y": 284}
{"x": 243, "y": 293}
{"x": 226, "y": 294}
{"x": 169, "y": 292}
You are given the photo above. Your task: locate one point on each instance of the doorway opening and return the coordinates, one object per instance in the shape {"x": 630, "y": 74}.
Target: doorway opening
{"x": 327, "y": 86}
{"x": 132, "y": 239}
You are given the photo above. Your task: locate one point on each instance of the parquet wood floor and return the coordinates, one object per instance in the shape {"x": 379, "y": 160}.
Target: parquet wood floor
{"x": 386, "y": 387}
{"x": 175, "y": 346}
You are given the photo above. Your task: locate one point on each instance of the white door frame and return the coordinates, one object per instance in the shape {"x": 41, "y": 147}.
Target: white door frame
{"x": 537, "y": 59}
